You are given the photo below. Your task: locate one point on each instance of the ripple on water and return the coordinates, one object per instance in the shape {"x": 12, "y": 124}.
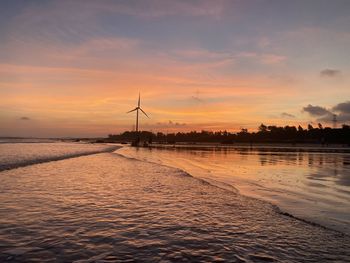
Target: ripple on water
{"x": 109, "y": 208}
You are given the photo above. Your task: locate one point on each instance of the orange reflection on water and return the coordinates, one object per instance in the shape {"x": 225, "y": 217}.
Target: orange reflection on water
{"x": 310, "y": 183}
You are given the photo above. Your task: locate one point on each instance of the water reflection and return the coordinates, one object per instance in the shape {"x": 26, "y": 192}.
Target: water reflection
{"x": 106, "y": 208}
{"x": 313, "y": 183}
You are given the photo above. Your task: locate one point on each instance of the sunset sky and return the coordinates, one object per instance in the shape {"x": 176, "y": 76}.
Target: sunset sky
{"x": 74, "y": 68}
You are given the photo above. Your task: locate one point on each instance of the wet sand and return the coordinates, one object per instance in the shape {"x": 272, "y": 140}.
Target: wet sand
{"x": 109, "y": 208}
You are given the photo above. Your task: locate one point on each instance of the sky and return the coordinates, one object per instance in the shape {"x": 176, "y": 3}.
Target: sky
{"x": 74, "y": 68}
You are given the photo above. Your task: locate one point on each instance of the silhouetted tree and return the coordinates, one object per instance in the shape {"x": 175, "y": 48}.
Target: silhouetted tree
{"x": 270, "y": 134}
{"x": 263, "y": 128}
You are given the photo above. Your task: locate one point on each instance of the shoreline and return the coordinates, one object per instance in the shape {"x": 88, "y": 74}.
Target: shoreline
{"x": 246, "y": 189}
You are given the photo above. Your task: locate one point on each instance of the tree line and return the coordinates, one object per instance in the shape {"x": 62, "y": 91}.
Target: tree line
{"x": 265, "y": 134}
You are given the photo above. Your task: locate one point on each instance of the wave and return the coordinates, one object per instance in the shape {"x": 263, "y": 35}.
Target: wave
{"x": 27, "y": 140}
{"x": 309, "y": 222}
{"x": 231, "y": 188}
{"x": 215, "y": 183}
{"x": 39, "y": 160}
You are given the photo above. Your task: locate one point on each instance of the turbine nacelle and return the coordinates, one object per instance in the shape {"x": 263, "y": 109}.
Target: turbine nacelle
{"x": 139, "y": 108}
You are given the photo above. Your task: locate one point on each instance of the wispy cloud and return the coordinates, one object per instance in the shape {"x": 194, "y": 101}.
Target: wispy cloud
{"x": 316, "y": 110}
{"x": 170, "y": 124}
{"x": 263, "y": 58}
{"x": 320, "y": 113}
{"x": 287, "y": 115}
{"x": 156, "y": 8}
{"x": 271, "y": 59}
{"x": 329, "y": 73}
{"x": 341, "y": 110}
{"x": 107, "y": 44}
{"x": 343, "y": 107}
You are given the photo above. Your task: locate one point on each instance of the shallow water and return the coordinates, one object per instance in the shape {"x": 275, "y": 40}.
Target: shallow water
{"x": 19, "y": 154}
{"x": 108, "y": 208}
{"x": 309, "y": 183}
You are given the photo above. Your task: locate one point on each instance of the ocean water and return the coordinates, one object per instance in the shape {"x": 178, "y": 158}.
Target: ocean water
{"x": 104, "y": 207}
{"x": 21, "y": 153}
{"x": 309, "y": 183}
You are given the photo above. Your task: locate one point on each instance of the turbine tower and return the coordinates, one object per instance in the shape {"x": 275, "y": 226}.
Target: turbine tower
{"x": 334, "y": 121}
{"x": 137, "y": 113}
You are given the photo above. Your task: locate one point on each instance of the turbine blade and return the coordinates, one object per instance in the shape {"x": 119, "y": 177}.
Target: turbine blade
{"x": 138, "y": 104}
{"x": 144, "y": 112}
{"x": 132, "y": 110}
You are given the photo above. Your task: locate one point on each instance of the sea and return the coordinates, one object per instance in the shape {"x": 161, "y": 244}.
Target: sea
{"x": 308, "y": 182}
{"x": 81, "y": 202}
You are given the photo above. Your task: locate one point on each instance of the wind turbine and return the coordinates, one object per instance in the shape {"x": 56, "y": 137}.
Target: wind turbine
{"x": 137, "y": 113}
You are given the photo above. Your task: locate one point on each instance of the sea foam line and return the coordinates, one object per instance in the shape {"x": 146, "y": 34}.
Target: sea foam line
{"x": 231, "y": 188}
{"x": 54, "y": 158}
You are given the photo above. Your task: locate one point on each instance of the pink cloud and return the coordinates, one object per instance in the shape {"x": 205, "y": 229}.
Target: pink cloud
{"x": 263, "y": 58}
